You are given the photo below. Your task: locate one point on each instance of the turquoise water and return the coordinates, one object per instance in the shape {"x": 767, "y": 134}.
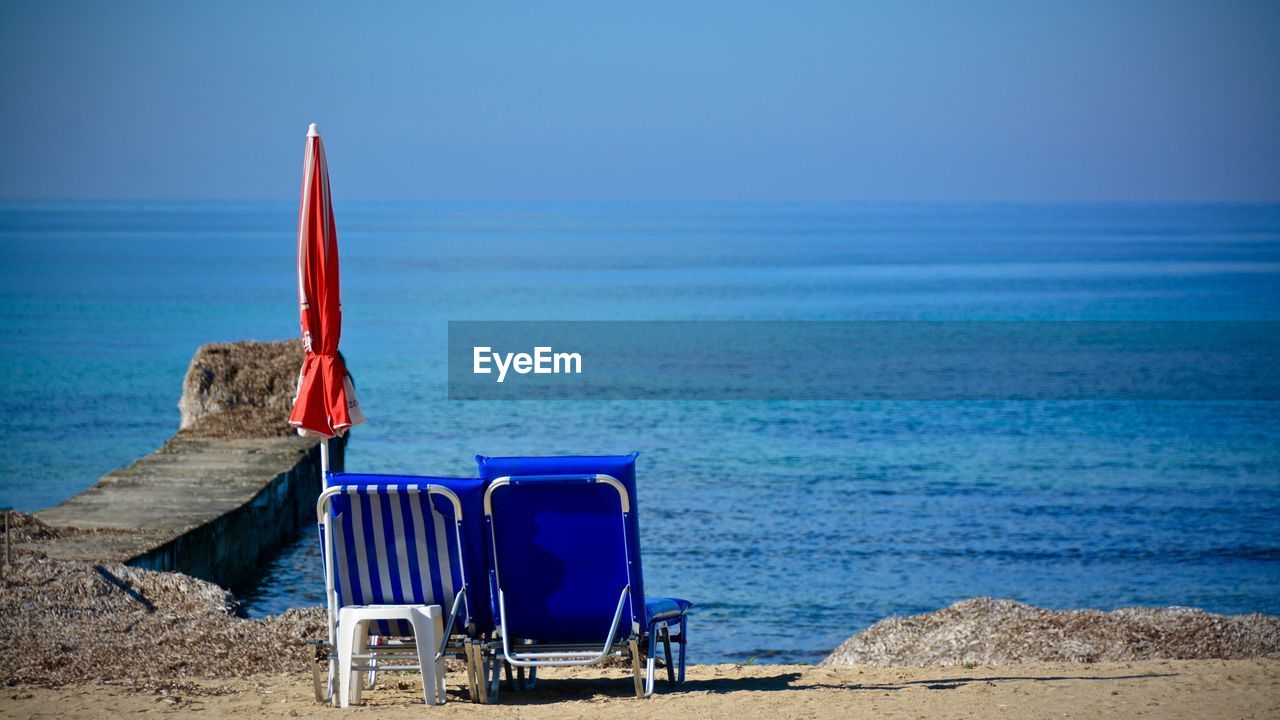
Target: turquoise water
{"x": 791, "y": 525}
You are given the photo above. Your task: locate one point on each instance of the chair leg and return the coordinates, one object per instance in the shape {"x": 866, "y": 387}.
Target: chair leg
{"x": 650, "y": 662}
{"x": 526, "y": 678}
{"x": 371, "y": 678}
{"x": 331, "y": 682}
{"x": 666, "y": 650}
{"x": 347, "y": 630}
{"x": 473, "y": 668}
{"x": 358, "y": 678}
{"x": 488, "y": 673}
{"x": 492, "y": 675}
{"x": 321, "y": 683}
{"x": 684, "y": 643}
{"x": 531, "y": 678}
{"x": 635, "y": 667}
{"x": 468, "y": 653}
{"x": 437, "y": 624}
{"x": 425, "y": 621}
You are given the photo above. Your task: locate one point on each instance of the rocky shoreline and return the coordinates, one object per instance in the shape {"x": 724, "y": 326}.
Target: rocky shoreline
{"x": 66, "y": 621}
{"x": 73, "y": 621}
{"x": 987, "y": 631}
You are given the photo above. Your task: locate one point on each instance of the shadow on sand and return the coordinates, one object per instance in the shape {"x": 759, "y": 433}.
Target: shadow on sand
{"x": 555, "y": 690}
{"x": 953, "y": 683}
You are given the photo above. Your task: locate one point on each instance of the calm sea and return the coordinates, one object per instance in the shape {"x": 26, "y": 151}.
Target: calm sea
{"x": 790, "y": 524}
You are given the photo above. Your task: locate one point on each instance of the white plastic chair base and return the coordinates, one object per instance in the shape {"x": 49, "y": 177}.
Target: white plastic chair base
{"x": 353, "y": 636}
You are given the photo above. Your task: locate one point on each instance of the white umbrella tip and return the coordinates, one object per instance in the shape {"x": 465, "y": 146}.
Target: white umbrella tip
{"x": 313, "y": 131}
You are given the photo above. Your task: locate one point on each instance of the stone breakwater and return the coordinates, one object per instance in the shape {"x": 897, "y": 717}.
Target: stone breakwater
{"x": 985, "y": 631}
{"x": 224, "y": 493}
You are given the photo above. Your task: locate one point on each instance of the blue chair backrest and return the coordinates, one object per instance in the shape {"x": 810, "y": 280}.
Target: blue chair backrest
{"x": 560, "y": 557}
{"x": 622, "y": 467}
{"x": 397, "y": 544}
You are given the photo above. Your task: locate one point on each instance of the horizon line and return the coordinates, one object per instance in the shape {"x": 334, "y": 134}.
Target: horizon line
{"x": 20, "y": 199}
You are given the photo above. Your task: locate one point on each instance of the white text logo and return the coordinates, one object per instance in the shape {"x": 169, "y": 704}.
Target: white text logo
{"x": 542, "y": 362}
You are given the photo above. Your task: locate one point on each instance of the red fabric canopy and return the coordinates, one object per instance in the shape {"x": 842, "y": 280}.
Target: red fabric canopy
{"x": 326, "y": 401}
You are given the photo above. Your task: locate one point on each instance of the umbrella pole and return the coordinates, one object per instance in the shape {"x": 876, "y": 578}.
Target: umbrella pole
{"x": 329, "y": 599}
{"x": 324, "y": 464}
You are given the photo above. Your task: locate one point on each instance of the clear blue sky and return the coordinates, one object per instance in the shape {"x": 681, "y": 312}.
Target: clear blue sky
{"x": 737, "y": 100}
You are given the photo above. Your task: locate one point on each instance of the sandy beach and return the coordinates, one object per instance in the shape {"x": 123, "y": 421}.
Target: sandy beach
{"x": 117, "y": 640}
{"x": 1159, "y": 689}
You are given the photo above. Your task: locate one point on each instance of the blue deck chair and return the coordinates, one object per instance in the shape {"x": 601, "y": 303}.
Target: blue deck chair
{"x": 404, "y": 540}
{"x": 565, "y": 574}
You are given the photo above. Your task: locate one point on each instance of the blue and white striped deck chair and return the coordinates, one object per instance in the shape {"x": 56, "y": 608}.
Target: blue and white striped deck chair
{"x": 565, "y": 571}
{"x": 399, "y": 540}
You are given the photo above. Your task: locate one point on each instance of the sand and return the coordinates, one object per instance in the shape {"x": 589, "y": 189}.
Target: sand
{"x": 1155, "y": 689}
{"x": 93, "y": 640}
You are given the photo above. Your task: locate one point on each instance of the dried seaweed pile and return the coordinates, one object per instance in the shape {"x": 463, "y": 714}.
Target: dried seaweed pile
{"x": 240, "y": 390}
{"x": 25, "y": 528}
{"x": 69, "y": 621}
{"x": 1002, "y": 632}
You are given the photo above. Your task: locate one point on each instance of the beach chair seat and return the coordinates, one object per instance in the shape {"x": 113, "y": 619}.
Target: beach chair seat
{"x": 565, "y": 574}
{"x": 396, "y": 547}
{"x": 353, "y": 634}
{"x": 664, "y": 608}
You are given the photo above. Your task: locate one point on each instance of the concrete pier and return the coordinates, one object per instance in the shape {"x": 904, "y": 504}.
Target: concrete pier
{"x": 211, "y": 502}
{"x": 212, "y": 509}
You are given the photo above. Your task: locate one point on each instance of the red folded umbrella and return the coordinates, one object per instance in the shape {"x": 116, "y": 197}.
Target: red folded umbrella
{"x": 326, "y": 401}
